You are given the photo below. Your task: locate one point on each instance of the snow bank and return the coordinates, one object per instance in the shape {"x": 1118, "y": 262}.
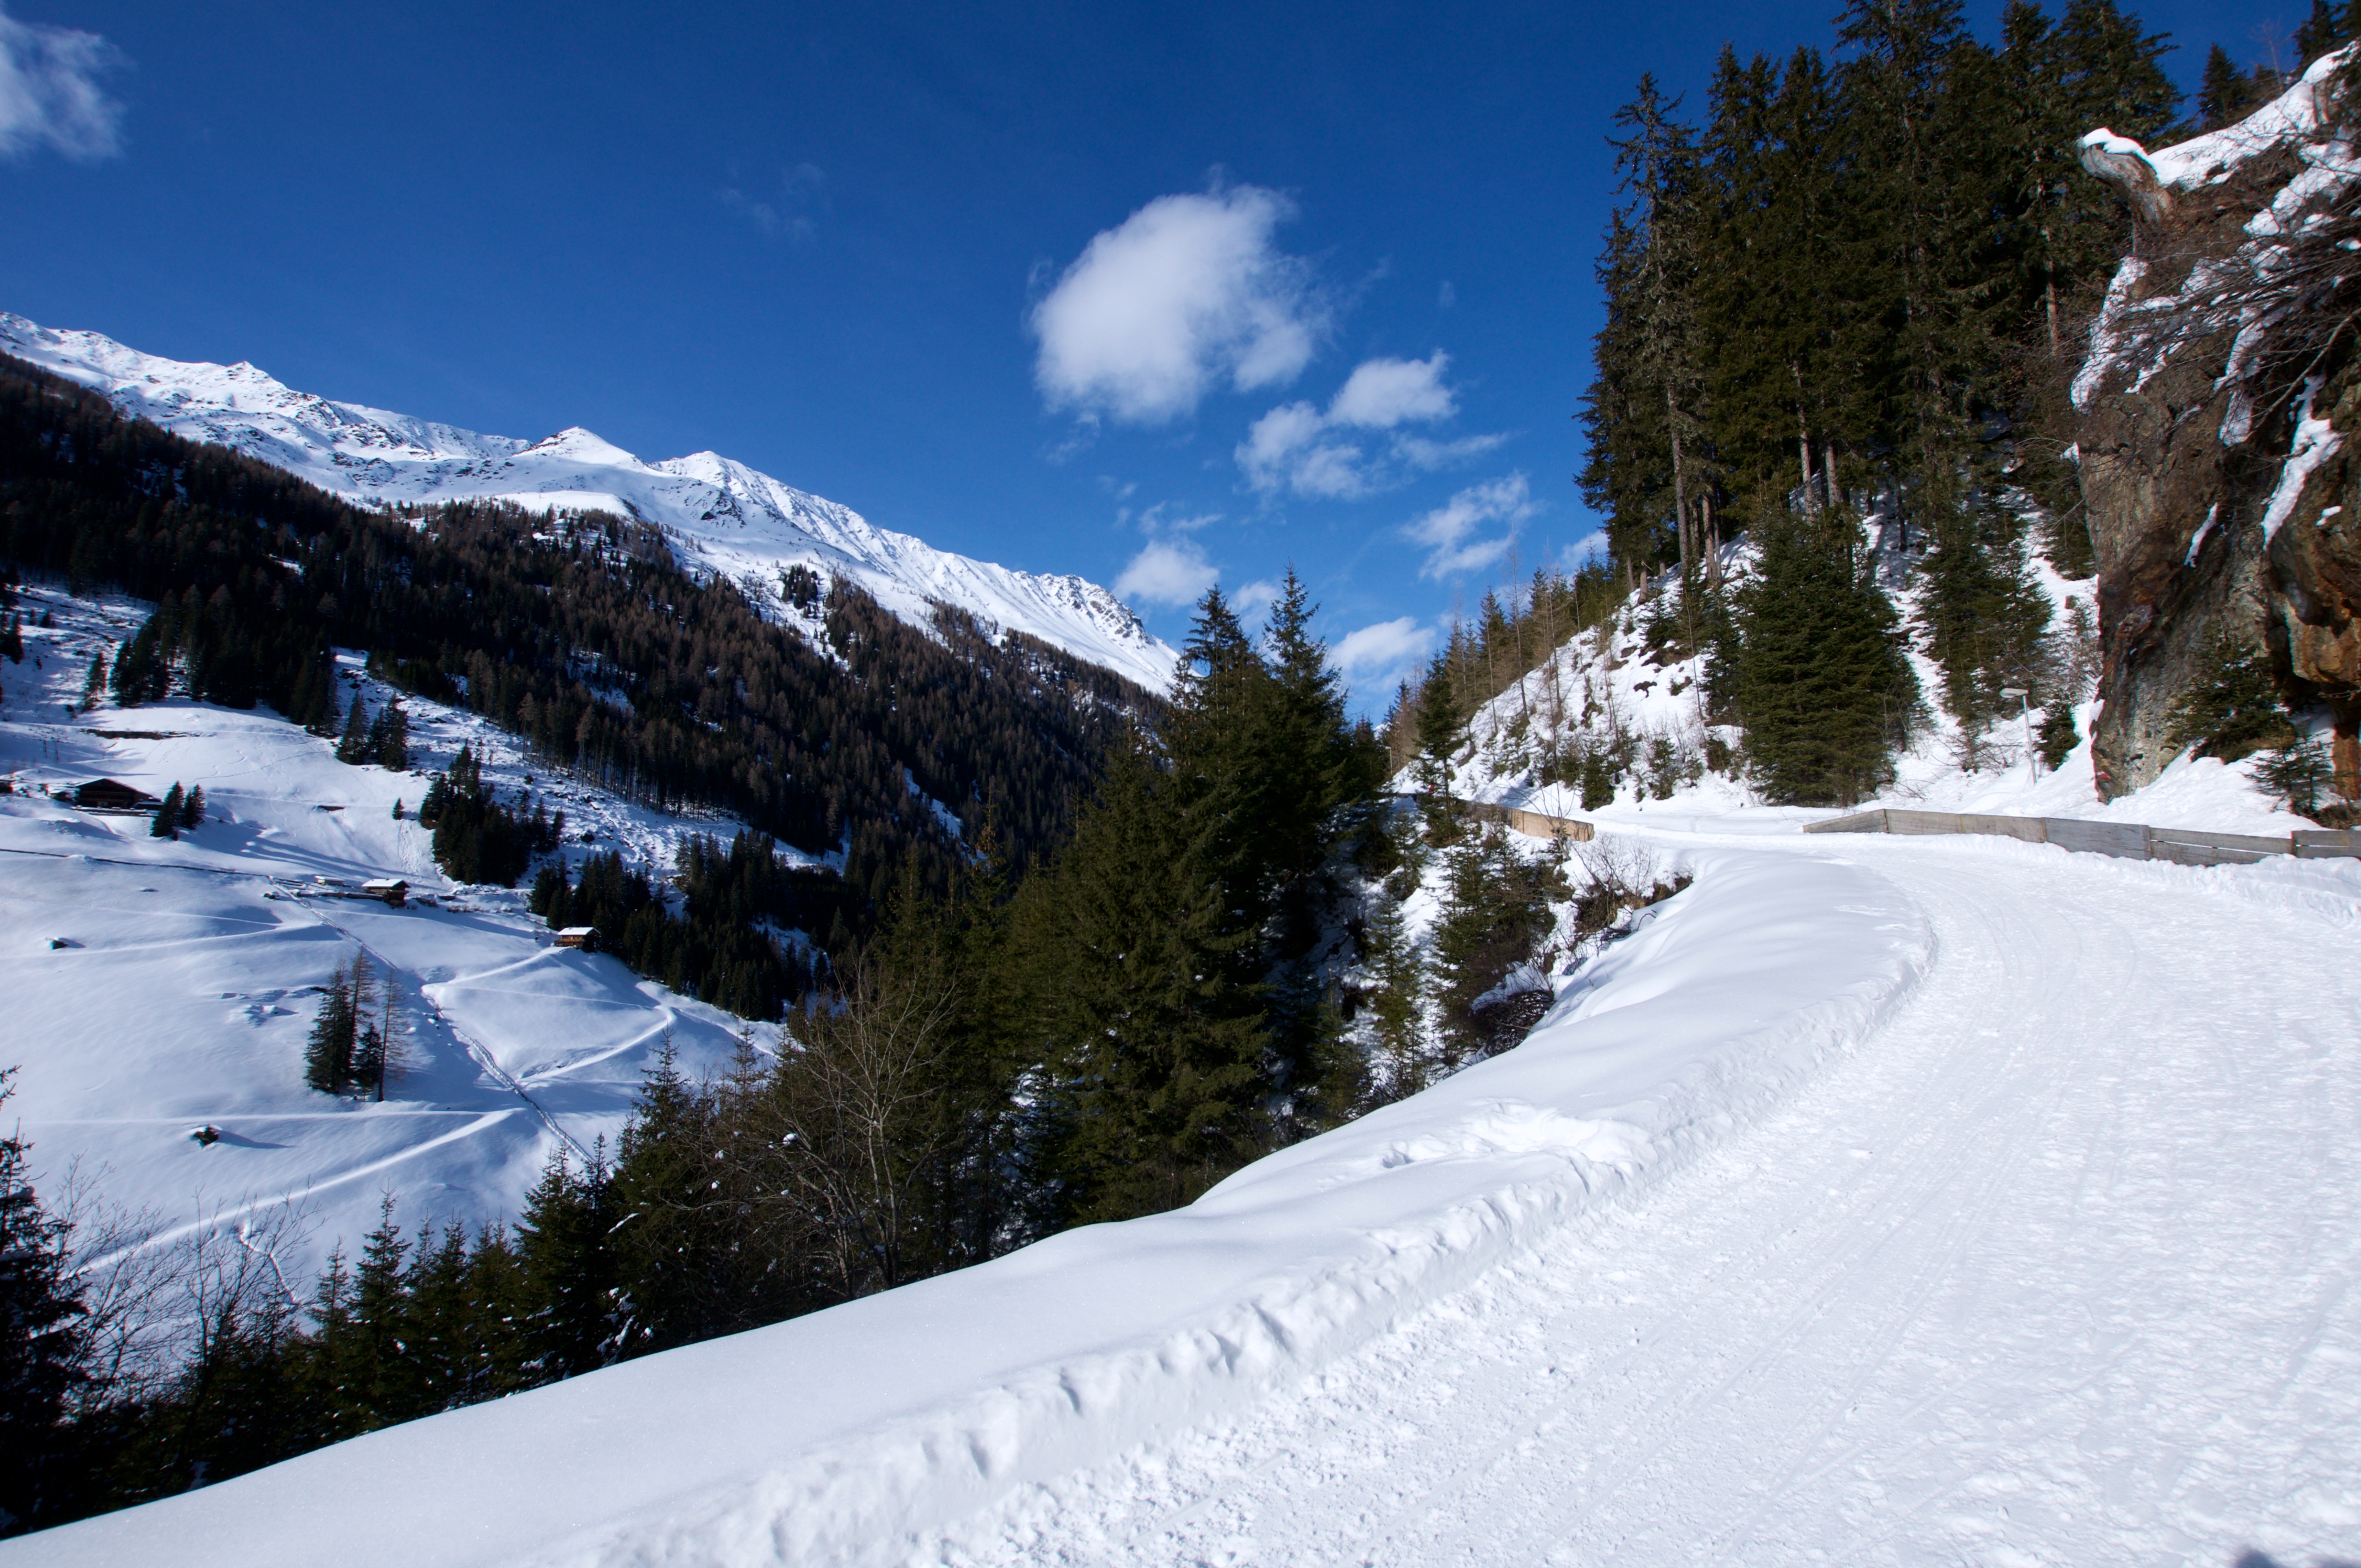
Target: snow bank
{"x": 841, "y": 1437}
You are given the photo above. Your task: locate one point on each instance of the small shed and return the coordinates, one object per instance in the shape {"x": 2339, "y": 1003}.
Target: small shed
{"x": 113, "y": 795}
{"x": 585, "y": 936}
{"x": 393, "y": 890}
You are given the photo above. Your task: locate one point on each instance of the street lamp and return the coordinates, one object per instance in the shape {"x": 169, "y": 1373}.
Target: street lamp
{"x": 2024, "y": 710}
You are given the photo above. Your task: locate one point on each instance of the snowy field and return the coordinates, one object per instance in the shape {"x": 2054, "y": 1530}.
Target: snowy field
{"x": 1899, "y": 1200}
{"x": 157, "y": 986}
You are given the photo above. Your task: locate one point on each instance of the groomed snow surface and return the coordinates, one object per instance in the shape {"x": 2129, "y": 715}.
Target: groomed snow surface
{"x": 1888, "y": 1201}
{"x": 153, "y": 986}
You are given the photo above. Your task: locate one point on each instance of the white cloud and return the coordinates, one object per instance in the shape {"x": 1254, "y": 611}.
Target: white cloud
{"x": 1385, "y": 648}
{"x": 1447, "y": 530}
{"x": 1167, "y": 573}
{"x": 1427, "y": 456}
{"x": 1297, "y": 447}
{"x": 1257, "y": 595}
{"x": 1186, "y": 293}
{"x": 1589, "y": 547}
{"x": 49, "y": 93}
{"x": 1383, "y": 393}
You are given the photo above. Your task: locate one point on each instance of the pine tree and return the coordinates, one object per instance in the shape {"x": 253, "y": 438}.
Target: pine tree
{"x": 193, "y": 810}
{"x": 1438, "y": 728}
{"x": 1820, "y": 682}
{"x": 2296, "y": 773}
{"x": 143, "y": 672}
{"x": 2232, "y": 709}
{"x": 93, "y": 686}
{"x": 42, "y": 1339}
{"x": 1495, "y": 912}
{"x": 2058, "y": 736}
{"x": 353, "y": 745}
{"x": 165, "y": 823}
{"x": 666, "y": 1188}
{"x": 2227, "y": 93}
{"x": 388, "y": 743}
{"x": 2320, "y": 32}
{"x": 1131, "y": 978}
{"x": 1397, "y": 1003}
{"x": 1658, "y": 165}
{"x": 568, "y": 1269}
{"x": 329, "y": 1054}
{"x": 1983, "y": 613}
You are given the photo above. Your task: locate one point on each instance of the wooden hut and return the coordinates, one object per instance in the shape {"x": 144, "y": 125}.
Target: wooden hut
{"x": 113, "y": 795}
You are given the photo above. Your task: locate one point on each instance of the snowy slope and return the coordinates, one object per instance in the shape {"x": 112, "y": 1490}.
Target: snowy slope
{"x": 1897, "y": 1202}
{"x": 189, "y": 970}
{"x": 1602, "y": 683}
{"x": 722, "y": 516}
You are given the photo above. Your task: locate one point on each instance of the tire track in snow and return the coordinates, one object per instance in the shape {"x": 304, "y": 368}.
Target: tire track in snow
{"x": 1955, "y": 1350}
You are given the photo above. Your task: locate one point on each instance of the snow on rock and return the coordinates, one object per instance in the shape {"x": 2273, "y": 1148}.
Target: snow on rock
{"x": 721, "y": 517}
{"x": 2293, "y": 117}
{"x": 1603, "y": 683}
{"x": 158, "y": 985}
{"x": 844, "y": 1436}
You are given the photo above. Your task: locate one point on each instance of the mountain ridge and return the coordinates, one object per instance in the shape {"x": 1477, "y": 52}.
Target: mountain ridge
{"x": 721, "y": 517}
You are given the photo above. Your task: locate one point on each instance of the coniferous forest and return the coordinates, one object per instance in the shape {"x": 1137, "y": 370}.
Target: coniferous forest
{"x": 1848, "y": 290}
{"x": 1843, "y": 297}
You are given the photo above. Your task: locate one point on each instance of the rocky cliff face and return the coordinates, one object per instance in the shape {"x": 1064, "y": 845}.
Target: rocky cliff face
{"x": 2217, "y": 411}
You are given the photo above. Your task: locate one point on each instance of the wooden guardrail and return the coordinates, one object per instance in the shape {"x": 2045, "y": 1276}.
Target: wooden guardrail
{"x": 2128, "y": 840}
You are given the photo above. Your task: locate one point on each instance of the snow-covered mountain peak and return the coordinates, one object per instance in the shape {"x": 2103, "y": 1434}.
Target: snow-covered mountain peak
{"x": 722, "y": 516}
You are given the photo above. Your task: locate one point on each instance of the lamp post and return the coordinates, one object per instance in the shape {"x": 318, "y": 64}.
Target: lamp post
{"x": 2024, "y": 710}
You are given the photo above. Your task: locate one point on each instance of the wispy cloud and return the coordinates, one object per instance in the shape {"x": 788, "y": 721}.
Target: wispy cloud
{"x": 1332, "y": 455}
{"x": 1450, "y": 532}
{"x": 791, "y": 211}
{"x": 50, "y": 91}
{"x": 1377, "y": 656}
{"x": 1168, "y": 572}
{"x": 1187, "y": 293}
{"x": 1260, "y": 594}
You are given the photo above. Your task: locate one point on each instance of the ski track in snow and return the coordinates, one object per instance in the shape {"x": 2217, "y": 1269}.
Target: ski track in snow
{"x": 2056, "y": 1267}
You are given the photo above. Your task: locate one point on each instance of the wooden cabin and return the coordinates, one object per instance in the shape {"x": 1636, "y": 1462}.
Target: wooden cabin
{"x": 393, "y": 890}
{"x": 586, "y": 937}
{"x": 113, "y": 795}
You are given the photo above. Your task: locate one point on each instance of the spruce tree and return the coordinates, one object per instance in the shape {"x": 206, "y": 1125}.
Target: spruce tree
{"x": 1157, "y": 1047}
{"x": 193, "y": 810}
{"x": 353, "y": 745}
{"x": 1983, "y": 613}
{"x": 165, "y": 823}
{"x": 1396, "y": 1005}
{"x": 1439, "y": 721}
{"x": 568, "y": 1270}
{"x": 43, "y": 1335}
{"x": 1495, "y": 913}
{"x": 2232, "y": 708}
{"x": 329, "y": 1054}
{"x": 93, "y": 686}
{"x": 1823, "y": 689}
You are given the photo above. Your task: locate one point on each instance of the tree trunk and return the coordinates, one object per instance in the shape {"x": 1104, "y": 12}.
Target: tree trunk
{"x": 1680, "y": 491}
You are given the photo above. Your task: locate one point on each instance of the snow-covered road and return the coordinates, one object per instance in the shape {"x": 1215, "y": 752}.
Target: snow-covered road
{"x": 1883, "y": 1201}
{"x": 2057, "y": 1267}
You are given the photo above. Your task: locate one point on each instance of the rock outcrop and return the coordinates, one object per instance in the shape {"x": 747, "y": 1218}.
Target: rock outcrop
{"x": 2221, "y": 423}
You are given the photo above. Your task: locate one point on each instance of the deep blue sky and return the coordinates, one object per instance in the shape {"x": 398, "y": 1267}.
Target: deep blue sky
{"x": 815, "y": 239}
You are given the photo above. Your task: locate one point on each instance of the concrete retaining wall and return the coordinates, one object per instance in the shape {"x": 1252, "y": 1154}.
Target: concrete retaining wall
{"x": 2128, "y": 840}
